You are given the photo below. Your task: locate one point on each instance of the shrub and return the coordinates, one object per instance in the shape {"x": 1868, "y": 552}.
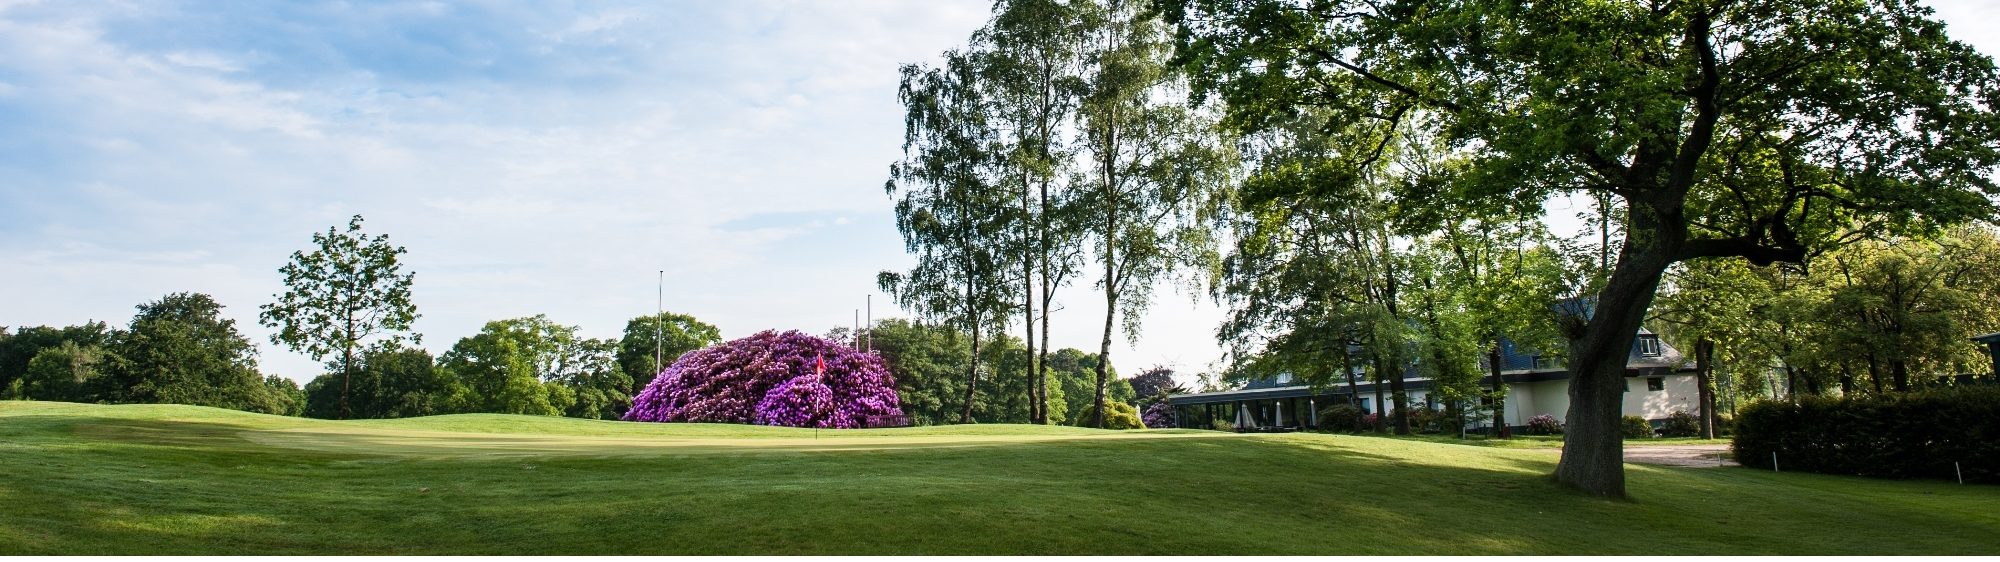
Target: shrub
{"x": 1681, "y": 424}
{"x": 1635, "y": 427}
{"x": 1160, "y": 415}
{"x": 1222, "y": 425}
{"x": 1544, "y": 425}
{"x": 1371, "y": 421}
{"x": 1117, "y": 415}
{"x": 771, "y": 378}
{"x": 1340, "y": 417}
{"x": 1904, "y": 435}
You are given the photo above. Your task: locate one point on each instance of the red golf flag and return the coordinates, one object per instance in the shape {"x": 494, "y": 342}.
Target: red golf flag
{"x": 820, "y": 368}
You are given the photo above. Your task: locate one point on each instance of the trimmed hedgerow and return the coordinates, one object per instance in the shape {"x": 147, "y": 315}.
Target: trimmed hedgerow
{"x": 1905, "y": 435}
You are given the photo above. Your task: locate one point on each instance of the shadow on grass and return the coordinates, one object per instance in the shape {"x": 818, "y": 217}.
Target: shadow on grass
{"x": 143, "y": 487}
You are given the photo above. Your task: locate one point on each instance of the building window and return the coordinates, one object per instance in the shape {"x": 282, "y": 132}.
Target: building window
{"x": 1649, "y": 345}
{"x": 1656, "y": 384}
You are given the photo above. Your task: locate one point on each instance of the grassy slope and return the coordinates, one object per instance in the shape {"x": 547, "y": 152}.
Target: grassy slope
{"x": 171, "y": 479}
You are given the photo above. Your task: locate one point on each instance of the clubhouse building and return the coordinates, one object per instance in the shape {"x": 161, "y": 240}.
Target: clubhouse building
{"x": 1659, "y": 380}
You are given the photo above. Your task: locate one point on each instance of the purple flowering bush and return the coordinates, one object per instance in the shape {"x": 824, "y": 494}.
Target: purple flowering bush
{"x": 1160, "y": 415}
{"x": 771, "y": 378}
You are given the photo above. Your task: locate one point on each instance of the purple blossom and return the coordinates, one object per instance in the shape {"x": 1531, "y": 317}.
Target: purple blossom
{"x": 1160, "y": 415}
{"x": 771, "y": 378}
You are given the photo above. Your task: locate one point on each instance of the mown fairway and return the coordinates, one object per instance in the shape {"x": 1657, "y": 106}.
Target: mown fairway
{"x": 78, "y": 479}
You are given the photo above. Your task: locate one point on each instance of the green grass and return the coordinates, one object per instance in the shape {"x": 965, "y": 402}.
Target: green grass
{"x": 78, "y": 479}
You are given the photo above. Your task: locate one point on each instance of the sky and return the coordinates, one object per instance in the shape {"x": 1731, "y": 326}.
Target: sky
{"x": 533, "y": 157}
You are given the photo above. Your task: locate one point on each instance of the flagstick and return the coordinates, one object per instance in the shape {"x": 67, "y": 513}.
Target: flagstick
{"x": 659, "y": 309}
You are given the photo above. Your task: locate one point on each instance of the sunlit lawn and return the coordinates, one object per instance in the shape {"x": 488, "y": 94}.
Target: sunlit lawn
{"x": 80, "y": 479}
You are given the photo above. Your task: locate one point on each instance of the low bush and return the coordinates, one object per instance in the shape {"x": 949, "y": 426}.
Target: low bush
{"x": 1906, "y": 435}
{"x": 1635, "y": 427}
{"x": 1544, "y": 425}
{"x": 1681, "y": 424}
{"x": 1340, "y": 417}
{"x": 1222, "y": 425}
{"x": 1117, "y": 415}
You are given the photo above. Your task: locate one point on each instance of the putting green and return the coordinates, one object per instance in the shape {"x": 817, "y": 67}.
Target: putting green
{"x": 439, "y": 444}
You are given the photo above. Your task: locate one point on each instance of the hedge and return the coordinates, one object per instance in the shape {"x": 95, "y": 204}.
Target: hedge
{"x": 1909, "y": 435}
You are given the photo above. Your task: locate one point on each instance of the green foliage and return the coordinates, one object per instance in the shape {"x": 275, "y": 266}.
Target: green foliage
{"x": 1917, "y": 434}
{"x": 66, "y": 373}
{"x": 179, "y": 350}
{"x": 535, "y": 366}
{"x": 390, "y": 381}
{"x": 677, "y": 334}
{"x": 1681, "y": 424}
{"x": 349, "y": 289}
{"x": 19, "y": 348}
{"x": 1635, "y": 427}
{"x": 1117, "y": 415}
{"x": 927, "y": 363}
{"x": 1770, "y": 130}
{"x": 287, "y": 398}
{"x": 1340, "y": 417}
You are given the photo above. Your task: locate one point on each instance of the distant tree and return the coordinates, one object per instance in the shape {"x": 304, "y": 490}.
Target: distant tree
{"x": 19, "y": 348}
{"x": 1906, "y": 305}
{"x": 66, "y": 373}
{"x": 535, "y": 366}
{"x": 678, "y": 334}
{"x": 180, "y": 350}
{"x": 927, "y": 362}
{"x": 348, "y": 290}
{"x": 390, "y": 381}
{"x": 287, "y": 398}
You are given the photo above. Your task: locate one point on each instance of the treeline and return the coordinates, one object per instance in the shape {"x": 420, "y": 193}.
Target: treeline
{"x": 179, "y": 350}
{"x": 928, "y": 362}
{"x": 529, "y": 365}
{"x": 1872, "y": 318}
{"x": 176, "y": 350}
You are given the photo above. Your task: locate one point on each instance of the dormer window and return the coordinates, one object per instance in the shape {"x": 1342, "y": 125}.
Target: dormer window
{"x": 1649, "y": 345}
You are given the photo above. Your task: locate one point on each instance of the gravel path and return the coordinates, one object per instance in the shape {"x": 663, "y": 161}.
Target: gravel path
{"x": 1696, "y": 456}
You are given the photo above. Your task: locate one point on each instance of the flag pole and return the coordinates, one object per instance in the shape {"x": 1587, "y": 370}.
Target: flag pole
{"x": 659, "y": 309}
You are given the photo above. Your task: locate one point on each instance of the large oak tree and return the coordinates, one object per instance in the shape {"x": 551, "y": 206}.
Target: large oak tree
{"x": 1761, "y": 129}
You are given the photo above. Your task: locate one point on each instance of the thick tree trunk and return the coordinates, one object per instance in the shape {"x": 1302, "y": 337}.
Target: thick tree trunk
{"x": 1500, "y": 428}
{"x": 1901, "y": 370}
{"x": 1704, "y": 351}
{"x": 1593, "y": 457}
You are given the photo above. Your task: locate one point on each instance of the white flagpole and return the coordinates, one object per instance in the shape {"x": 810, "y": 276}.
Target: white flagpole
{"x": 659, "y": 309}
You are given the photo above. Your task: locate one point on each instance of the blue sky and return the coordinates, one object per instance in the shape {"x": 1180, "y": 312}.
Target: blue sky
{"x": 535, "y": 157}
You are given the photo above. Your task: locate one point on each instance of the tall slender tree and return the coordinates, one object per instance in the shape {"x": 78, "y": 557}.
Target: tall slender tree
{"x": 349, "y": 289}
{"x": 1156, "y": 168}
{"x": 950, "y": 208}
{"x": 1029, "y": 55}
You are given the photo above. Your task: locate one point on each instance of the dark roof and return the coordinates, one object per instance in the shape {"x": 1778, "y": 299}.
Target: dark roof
{"x": 1988, "y": 338}
{"x": 1518, "y": 362}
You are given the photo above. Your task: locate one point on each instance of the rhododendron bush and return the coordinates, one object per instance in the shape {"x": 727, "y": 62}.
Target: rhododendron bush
{"x": 771, "y": 378}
